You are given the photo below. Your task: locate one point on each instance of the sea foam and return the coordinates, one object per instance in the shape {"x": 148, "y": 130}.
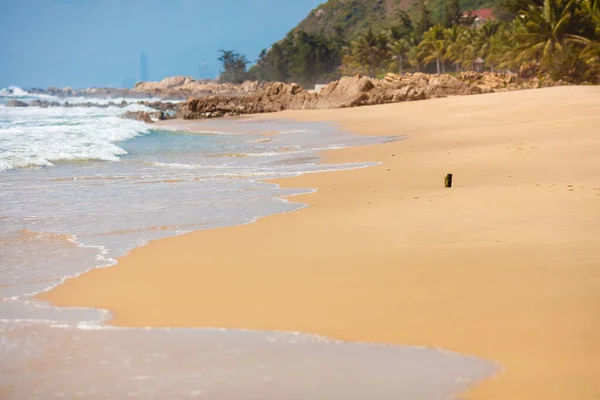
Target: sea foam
{"x": 35, "y": 136}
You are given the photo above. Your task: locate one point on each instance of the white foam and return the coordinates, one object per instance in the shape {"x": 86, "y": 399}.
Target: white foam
{"x": 43, "y": 136}
{"x": 16, "y": 92}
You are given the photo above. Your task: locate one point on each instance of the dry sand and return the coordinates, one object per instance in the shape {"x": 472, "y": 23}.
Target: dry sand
{"x": 505, "y": 265}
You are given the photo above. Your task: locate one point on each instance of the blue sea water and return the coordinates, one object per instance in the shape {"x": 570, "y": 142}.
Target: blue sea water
{"x": 80, "y": 187}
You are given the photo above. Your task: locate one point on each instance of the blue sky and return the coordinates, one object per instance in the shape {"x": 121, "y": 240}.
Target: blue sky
{"x": 82, "y": 43}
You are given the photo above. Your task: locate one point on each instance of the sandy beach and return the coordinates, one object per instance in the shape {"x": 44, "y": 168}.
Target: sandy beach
{"x": 505, "y": 265}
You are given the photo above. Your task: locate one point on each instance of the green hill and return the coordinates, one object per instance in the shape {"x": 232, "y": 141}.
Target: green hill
{"x": 348, "y": 18}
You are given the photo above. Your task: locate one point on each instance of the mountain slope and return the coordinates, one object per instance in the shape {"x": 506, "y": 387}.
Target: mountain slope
{"x": 348, "y": 18}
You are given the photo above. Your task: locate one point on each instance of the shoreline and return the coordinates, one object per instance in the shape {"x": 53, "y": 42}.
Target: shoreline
{"x": 386, "y": 254}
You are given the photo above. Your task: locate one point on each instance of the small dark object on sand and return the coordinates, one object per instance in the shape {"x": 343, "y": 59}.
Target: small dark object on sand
{"x": 448, "y": 180}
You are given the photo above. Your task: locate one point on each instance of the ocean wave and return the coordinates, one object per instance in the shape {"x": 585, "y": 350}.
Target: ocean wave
{"x": 39, "y": 137}
{"x": 16, "y": 92}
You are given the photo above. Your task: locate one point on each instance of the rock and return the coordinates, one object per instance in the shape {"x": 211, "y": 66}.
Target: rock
{"x": 184, "y": 86}
{"x": 499, "y": 81}
{"x": 16, "y": 103}
{"x": 147, "y": 117}
{"x": 138, "y": 116}
{"x": 159, "y": 105}
{"x": 347, "y": 92}
{"x": 485, "y": 89}
{"x": 53, "y": 90}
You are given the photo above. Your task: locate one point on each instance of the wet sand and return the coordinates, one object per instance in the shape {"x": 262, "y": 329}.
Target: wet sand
{"x": 505, "y": 265}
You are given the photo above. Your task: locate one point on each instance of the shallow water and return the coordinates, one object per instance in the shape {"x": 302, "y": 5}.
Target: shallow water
{"x": 81, "y": 187}
{"x": 115, "y": 363}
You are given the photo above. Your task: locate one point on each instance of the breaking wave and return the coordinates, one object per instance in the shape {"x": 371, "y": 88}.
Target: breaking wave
{"x": 42, "y": 136}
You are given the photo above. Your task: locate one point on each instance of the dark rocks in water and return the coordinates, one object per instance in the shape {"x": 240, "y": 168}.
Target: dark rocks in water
{"x": 16, "y": 103}
{"x": 160, "y": 105}
{"x": 53, "y": 90}
{"x": 138, "y": 116}
{"x": 145, "y": 116}
{"x": 43, "y": 103}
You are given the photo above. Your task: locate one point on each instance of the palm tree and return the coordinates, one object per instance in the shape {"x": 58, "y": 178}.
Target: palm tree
{"x": 397, "y": 51}
{"x": 592, "y": 8}
{"x": 503, "y": 52}
{"x": 547, "y": 31}
{"x": 455, "y": 44}
{"x": 413, "y": 58}
{"x": 591, "y": 50}
{"x": 466, "y": 50}
{"x": 368, "y": 49}
{"x": 483, "y": 41}
{"x": 434, "y": 47}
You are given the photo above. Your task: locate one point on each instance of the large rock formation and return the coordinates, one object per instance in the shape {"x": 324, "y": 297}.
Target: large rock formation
{"x": 353, "y": 92}
{"x": 347, "y": 92}
{"x": 273, "y": 97}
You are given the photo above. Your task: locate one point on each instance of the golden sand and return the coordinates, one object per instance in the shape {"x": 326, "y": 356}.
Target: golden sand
{"x": 505, "y": 265}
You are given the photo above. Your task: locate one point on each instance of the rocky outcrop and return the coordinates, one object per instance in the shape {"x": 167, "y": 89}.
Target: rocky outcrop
{"x": 347, "y": 92}
{"x": 273, "y": 97}
{"x": 501, "y": 82}
{"x": 355, "y": 91}
{"x": 16, "y": 103}
{"x": 160, "y": 105}
{"x": 187, "y": 86}
{"x": 44, "y": 103}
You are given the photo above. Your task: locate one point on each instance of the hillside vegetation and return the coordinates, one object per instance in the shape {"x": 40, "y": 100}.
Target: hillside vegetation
{"x": 348, "y": 18}
{"x": 559, "y": 39}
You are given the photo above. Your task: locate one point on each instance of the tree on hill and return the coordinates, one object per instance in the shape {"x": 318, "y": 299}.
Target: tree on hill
{"x": 451, "y": 13}
{"x": 369, "y": 51}
{"x": 424, "y": 19}
{"x": 234, "y": 66}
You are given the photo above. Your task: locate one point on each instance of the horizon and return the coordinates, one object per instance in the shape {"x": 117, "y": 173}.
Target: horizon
{"x": 66, "y": 43}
